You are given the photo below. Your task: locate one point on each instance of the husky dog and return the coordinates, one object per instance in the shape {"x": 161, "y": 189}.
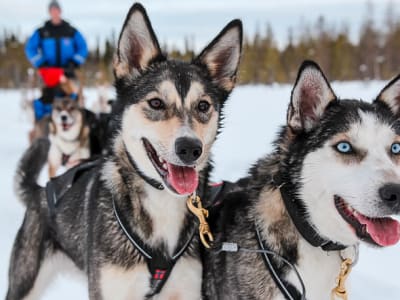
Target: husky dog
{"x": 124, "y": 219}
{"x": 332, "y": 182}
{"x": 68, "y": 134}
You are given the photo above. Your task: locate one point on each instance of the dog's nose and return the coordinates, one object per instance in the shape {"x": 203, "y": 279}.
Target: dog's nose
{"x": 390, "y": 194}
{"x": 64, "y": 118}
{"x": 188, "y": 149}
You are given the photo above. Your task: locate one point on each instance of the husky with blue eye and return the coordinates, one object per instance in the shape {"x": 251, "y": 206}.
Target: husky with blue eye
{"x": 123, "y": 219}
{"x": 332, "y": 182}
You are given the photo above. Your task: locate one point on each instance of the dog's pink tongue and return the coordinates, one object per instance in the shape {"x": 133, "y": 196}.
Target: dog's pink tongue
{"x": 183, "y": 179}
{"x": 384, "y": 231}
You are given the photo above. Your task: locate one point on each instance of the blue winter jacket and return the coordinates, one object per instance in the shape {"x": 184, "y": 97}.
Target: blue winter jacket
{"x": 56, "y": 46}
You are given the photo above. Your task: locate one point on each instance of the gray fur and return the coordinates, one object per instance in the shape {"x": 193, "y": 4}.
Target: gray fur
{"x": 312, "y": 121}
{"x": 83, "y": 225}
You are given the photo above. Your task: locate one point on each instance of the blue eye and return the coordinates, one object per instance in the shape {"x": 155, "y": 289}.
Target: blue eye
{"x": 396, "y": 148}
{"x": 345, "y": 147}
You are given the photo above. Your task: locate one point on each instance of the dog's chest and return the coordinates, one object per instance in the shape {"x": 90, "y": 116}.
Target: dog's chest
{"x": 120, "y": 284}
{"x": 63, "y": 145}
{"x": 167, "y": 213}
{"x": 318, "y": 270}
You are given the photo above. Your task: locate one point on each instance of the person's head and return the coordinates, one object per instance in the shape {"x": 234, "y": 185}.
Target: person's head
{"x": 55, "y": 12}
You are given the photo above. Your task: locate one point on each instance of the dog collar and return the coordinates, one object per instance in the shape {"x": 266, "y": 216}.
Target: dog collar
{"x": 154, "y": 183}
{"x": 159, "y": 265}
{"x": 296, "y": 210}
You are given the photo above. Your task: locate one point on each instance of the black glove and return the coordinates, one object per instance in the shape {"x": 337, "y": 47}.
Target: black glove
{"x": 69, "y": 70}
{"x": 43, "y": 65}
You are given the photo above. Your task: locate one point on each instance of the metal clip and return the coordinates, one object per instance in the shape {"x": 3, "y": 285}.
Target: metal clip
{"x": 194, "y": 204}
{"x": 339, "y": 292}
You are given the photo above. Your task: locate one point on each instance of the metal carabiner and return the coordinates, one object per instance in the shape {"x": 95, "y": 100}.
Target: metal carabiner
{"x": 340, "y": 292}
{"x": 195, "y": 206}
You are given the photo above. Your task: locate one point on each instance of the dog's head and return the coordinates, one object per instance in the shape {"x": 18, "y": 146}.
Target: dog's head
{"x": 343, "y": 160}
{"x": 170, "y": 110}
{"x": 66, "y": 114}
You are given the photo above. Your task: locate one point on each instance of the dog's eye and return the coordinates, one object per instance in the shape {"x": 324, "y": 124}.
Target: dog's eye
{"x": 395, "y": 148}
{"x": 203, "y": 106}
{"x": 344, "y": 147}
{"x": 156, "y": 104}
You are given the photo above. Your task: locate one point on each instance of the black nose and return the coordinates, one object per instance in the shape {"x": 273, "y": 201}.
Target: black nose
{"x": 188, "y": 149}
{"x": 390, "y": 194}
{"x": 64, "y": 118}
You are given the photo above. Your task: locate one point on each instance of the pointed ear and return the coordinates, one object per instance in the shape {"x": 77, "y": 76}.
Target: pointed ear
{"x": 221, "y": 57}
{"x": 310, "y": 96}
{"x": 390, "y": 95}
{"x": 137, "y": 45}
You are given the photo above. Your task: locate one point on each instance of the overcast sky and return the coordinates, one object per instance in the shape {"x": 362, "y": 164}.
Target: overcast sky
{"x": 199, "y": 20}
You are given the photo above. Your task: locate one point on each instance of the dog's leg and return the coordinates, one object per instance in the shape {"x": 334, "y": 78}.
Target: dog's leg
{"x": 27, "y": 255}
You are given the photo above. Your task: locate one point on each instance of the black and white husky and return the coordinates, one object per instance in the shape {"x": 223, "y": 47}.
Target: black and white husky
{"x": 124, "y": 220}
{"x": 332, "y": 182}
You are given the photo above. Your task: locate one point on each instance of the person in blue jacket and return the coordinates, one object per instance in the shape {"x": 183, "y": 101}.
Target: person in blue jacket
{"x": 55, "y": 44}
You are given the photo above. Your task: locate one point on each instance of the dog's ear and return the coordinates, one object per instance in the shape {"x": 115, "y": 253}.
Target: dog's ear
{"x": 221, "y": 57}
{"x": 137, "y": 45}
{"x": 390, "y": 95}
{"x": 310, "y": 96}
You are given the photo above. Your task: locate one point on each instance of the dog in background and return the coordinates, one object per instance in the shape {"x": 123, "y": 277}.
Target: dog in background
{"x": 69, "y": 135}
{"x": 332, "y": 182}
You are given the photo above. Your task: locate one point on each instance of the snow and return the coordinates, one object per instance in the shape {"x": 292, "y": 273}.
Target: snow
{"x": 253, "y": 116}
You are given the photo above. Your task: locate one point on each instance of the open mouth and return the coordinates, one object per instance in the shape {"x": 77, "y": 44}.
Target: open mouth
{"x": 65, "y": 126}
{"x": 382, "y": 232}
{"x": 180, "y": 179}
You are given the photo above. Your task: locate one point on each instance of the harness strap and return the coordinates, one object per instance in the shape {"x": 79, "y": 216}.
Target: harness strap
{"x": 289, "y": 291}
{"x": 56, "y": 187}
{"x": 159, "y": 265}
{"x": 64, "y": 159}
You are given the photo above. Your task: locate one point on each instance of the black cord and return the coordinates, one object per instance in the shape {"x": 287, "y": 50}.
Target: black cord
{"x": 234, "y": 247}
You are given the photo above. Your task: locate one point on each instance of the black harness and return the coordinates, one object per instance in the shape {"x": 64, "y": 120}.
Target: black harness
{"x": 159, "y": 265}
{"x": 56, "y": 187}
{"x": 64, "y": 159}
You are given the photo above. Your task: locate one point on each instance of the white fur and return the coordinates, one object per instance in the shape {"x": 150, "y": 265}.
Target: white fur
{"x": 324, "y": 176}
{"x": 49, "y": 271}
{"x": 167, "y": 212}
{"x": 318, "y": 269}
{"x": 184, "y": 282}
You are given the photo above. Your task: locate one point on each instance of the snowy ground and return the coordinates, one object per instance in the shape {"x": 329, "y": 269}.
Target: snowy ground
{"x": 253, "y": 115}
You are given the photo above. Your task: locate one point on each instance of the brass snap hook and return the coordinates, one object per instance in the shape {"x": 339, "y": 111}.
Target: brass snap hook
{"x": 195, "y": 206}
{"x": 340, "y": 292}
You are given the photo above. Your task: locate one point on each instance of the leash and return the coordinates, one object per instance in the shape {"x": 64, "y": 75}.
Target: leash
{"x": 159, "y": 265}
{"x": 286, "y": 288}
